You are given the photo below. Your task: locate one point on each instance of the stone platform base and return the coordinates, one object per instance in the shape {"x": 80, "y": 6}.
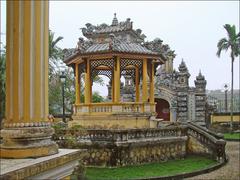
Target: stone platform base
{"x": 114, "y": 121}
{"x": 27, "y": 142}
{"x": 28, "y": 152}
{"x": 56, "y": 166}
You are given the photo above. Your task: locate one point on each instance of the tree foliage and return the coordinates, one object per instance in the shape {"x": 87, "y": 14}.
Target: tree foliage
{"x": 232, "y": 42}
{"x": 97, "y": 97}
{"x": 55, "y": 53}
{"x": 56, "y": 66}
{"x": 55, "y": 92}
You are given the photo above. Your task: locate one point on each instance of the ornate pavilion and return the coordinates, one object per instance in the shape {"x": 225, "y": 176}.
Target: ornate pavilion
{"x": 116, "y": 50}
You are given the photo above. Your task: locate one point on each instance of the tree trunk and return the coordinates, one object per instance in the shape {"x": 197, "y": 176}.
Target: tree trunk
{"x": 231, "y": 124}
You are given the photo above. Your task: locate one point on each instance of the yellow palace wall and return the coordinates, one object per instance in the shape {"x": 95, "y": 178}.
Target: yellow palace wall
{"x": 225, "y": 118}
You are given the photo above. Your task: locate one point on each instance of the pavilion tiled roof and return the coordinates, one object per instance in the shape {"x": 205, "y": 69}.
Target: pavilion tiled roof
{"x": 119, "y": 37}
{"x": 119, "y": 47}
{"x": 110, "y": 29}
{"x": 92, "y": 31}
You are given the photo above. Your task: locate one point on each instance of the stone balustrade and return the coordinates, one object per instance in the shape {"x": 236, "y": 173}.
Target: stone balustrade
{"x": 113, "y": 147}
{"x": 213, "y": 143}
{"x": 114, "y": 135}
{"x": 132, "y": 107}
{"x": 105, "y": 108}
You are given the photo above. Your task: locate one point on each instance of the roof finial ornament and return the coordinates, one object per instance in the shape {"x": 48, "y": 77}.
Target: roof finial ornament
{"x": 115, "y": 20}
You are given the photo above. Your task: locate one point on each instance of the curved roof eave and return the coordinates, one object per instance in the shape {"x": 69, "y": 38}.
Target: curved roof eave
{"x": 70, "y": 59}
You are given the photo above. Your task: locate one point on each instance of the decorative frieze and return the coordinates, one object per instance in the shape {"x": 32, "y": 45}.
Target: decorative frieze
{"x": 30, "y": 124}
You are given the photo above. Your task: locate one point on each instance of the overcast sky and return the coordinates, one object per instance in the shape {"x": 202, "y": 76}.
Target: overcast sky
{"x": 190, "y": 28}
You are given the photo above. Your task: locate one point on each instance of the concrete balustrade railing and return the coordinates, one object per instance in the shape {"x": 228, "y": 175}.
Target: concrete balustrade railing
{"x": 104, "y": 108}
{"x": 214, "y": 142}
{"x": 115, "y": 135}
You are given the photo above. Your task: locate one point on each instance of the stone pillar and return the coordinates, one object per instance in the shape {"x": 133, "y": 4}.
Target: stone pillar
{"x": 152, "y": 84}
{"x": 117, "y": 80}
{"x": 77, "y": 85}
{"x": 87, "y": 90}
{"x": 200, "y": 100}
{"x": 144, "y": 82}
{"x": 173, "y": 114}
{"x": 137, "y": 83}
{"x": 27, "y": 132}
{"x": 167, "y": 66}
{"x": 171, "y": 65}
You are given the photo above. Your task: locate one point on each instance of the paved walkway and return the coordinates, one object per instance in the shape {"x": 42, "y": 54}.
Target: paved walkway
{"x": 230, "y": 171}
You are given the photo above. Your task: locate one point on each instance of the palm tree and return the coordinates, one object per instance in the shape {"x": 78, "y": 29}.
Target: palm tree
{"x": 232, "y": 42}
{"x": 55, "y": 53}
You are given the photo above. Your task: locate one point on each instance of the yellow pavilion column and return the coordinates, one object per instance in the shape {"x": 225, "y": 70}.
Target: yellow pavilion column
{"x": 91, "y": 84}
{"x": 137, "y": 83}
{"x": 112, "y": 89}
{"x": 77, "y": 85}
{"x": 152, "y": 84}
{"x": 144, "y": 82}
{"x": 87, "y": 92}
{"x": 117, "y": 80}
{"x": 27, "y": 132}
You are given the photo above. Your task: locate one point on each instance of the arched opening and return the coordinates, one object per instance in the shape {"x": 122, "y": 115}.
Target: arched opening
{"x": 162, "y": 109}
{"x": 101, "y": 83}
{"x": 100, "y": 89}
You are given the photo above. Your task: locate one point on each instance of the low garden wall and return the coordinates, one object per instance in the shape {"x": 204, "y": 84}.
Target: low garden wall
{"x": 223, "y": 117}
{"x": 136, "y": 152}
{"x": 137, "y": 146}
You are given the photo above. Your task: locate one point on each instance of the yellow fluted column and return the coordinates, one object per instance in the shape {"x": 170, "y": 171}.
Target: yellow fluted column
{"x": 38, "y": 62}
{"x": 77, "y": 85}
{"x": 27, "y": 82}
{"x": 144, "y": 82}
{"x": 87, "y": 92}
{"x": 137, "y": 83}
{"x": 117, "y": 80}
{"x": 152, "y": 84}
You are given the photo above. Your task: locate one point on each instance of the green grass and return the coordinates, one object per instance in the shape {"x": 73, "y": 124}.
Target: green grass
{"x": 171, "y": 167}
{"x": 232, "y": 136}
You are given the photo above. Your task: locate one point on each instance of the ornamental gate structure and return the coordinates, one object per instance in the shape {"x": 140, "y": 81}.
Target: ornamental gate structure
{"x": 186, "y": 103}
{"x": 165, "y": 94}
{"x": 115, "y": 50}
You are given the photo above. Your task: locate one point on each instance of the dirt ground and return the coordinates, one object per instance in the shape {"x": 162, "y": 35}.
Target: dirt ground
{"x": 230, "y": 171}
